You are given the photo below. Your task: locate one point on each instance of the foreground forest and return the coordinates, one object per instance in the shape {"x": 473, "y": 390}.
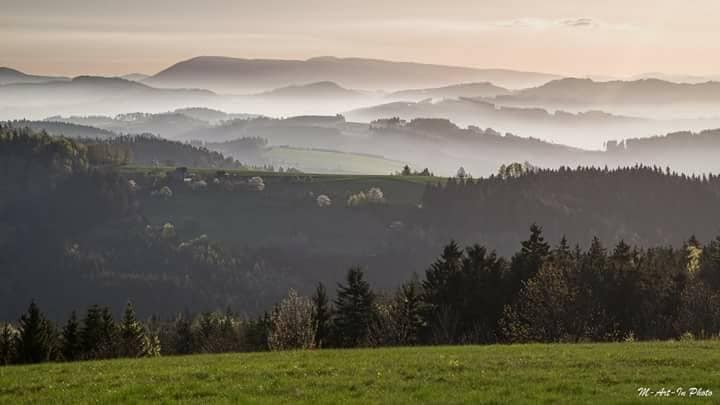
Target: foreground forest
{"x": 116, "y": 237}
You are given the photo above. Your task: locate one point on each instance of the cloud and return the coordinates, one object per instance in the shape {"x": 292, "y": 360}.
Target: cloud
{"x": 565, "y": 23}
{"x": 578, "y": 22}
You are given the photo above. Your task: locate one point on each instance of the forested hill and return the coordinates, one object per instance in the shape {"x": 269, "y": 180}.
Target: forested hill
{"x": 686, "y": 151}
{"x": 642, "y": 205}
{"x": 66, "y": 129}
{"x": 148, "y": 150}
{"x": 232, "y": 238}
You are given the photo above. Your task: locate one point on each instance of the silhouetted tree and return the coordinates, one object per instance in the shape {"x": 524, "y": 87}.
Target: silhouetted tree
{"x": 321, "y": 315}
{"x": 354, "y": 309}
{"x": 71, "y": 339}
{"x": 33, "y": 343}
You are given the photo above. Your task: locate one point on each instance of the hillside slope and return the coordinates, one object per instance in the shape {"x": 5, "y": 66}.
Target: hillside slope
{"x": 518, "y": 374}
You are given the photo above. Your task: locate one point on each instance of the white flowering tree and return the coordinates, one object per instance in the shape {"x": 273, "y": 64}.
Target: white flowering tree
{"x": 256, "y": 183}
{"x": 291, "y": 324}
{"x": 373, "y": 196}
{"x": 323, "y": 201}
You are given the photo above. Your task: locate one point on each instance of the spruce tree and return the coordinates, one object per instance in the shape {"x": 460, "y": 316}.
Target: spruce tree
{"x": 183, "y": 334}
{"x": 207, "y": 333}
{"x": 71, "y": 339}
{"x": 408, "y": 304}
{"x": 354, "y": 309}
{"x": 526, "y": 263}
{"x": 321, "y": 315}
{"x": 440, "y": 295}
{"x": 228, "y": 336}
{"x": 132, "y": 334}
{"x": 90, "y": 334}
{"x": 108, "y": 334}
{"x": 33, "y": 343}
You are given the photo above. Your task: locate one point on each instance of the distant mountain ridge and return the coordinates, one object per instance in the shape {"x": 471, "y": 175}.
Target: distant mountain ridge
{"x": 13, "y": 76}
{"x": 587, "y": 92}
{"x": 225, "y": 74}
{"x": 482, "y": 89}
{"x": 312, "y": 90}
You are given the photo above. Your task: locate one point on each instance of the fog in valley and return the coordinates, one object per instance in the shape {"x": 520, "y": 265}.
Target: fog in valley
{"x": 309, "y": 115}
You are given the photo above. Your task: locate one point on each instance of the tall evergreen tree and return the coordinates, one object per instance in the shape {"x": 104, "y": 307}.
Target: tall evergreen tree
{"x": 530, "y": 259}
{"x": 183, "y": 342}
{"x": 108, "y": 334}
{"x": 90, "y": 334}
{"x": 354, "y": 309}
{"x": 408, "y": 307}
{"x": 440, "y": 291}
{"x": 132, "y": 334}
{"x": 33, "y": 343}
{"x": 321, "y": 315}
{"x": 71, "y": 339}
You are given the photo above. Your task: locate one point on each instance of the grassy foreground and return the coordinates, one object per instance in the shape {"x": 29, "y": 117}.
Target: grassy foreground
{"x": 585, "y": 373}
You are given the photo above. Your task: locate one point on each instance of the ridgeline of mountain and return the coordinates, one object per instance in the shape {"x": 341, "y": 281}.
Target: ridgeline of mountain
{"x": 676, "y": 78}
{"x": 483, "y": 89}
{"x": 87, "y": 86}
{"x": 12, "y": 76}
{"x": 587, "y": 92}
{"x": 224, "y": 74}
{"x": 464, "y": 109}
{"x": 66, "y": 129}
{"x": 317, "y": 90}
{"x": 167, "y": 125}
{"x": 90, "y": 95}
{"x": 135, "y": 77}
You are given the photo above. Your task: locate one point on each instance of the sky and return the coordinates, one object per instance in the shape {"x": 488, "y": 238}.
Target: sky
{"x": 571, "y": 37}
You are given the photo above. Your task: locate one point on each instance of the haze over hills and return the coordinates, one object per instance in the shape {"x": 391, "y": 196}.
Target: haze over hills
{"x": 645, "y": 97}
{"x": 228, "y": 75}
{"x": 585, "y": 129}
{"x": 135, "y": 77}
{"x": 316, "y": 90}
{"x": 12, "y": 76}
{"x": 88, "y": 95}
{"x": 483, "y": 89}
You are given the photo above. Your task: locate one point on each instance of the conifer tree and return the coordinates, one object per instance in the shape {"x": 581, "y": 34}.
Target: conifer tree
{"x": 90, "y": 334}
{"x": 408, "y": 306}
{"x": 108, "y": 334}
{"x": 354, "y": 309}
{"x": 183, "y": 334}
{"x": 526, "y": 263}
{"x": 71, "y": 339}
{"x": 321, "y": 315}
{"x": 131, "y": 333}
{"x": 33, "y": 342}
{"x": 440, "y": 294}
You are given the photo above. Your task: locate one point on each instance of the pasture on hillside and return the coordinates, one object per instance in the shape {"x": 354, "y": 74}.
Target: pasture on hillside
{"x": 672, "y": 372}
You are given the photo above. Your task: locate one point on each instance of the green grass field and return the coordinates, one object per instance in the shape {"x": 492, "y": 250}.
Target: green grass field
{"x": 532, "y": 374}
{"x": 327, "y": 161}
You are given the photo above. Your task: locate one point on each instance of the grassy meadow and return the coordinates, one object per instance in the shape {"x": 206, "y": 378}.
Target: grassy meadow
{"x": 532, "y": 374}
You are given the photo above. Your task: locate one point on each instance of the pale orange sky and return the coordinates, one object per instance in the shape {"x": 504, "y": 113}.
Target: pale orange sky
{"x": 573, "y": 37}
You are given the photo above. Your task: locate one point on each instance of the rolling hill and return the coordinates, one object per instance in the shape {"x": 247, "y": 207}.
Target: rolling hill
{"x": 227, "y": 75}
{"x": 484, "y": 89}
{"x": 317, "y": 90}
{"x": 12, "y": 76}
{"x": 587, "y": 92}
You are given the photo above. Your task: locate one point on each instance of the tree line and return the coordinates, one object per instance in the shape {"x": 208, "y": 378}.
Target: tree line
{"x": 643, "y": 205}
{"x": 542, "y": 293}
